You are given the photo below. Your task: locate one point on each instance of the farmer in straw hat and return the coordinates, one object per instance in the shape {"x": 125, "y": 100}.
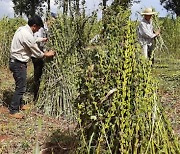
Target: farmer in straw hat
{"x": 146, "y": 33}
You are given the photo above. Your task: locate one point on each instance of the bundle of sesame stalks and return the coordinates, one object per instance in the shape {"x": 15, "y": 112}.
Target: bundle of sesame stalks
{"x": 160, "y": 44}
{"x": 118, "y": 107}
{"x": 68, "y": 36}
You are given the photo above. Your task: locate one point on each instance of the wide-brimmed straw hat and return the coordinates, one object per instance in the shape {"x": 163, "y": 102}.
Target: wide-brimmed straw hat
{"x": 148, "y": 11}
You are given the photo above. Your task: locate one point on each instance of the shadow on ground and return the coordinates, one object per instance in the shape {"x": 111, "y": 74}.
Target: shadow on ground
{"x": 60, "y": 143}
{"x": 7, "y": 95}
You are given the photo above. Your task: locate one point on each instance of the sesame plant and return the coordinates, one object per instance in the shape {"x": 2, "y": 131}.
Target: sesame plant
{"x": 170, "y": 34}
{"x": 68, "y": 37}
{"x": 117, "y": 107}
{"x": 7, "y": 29}
{"x": 167, "y": 41}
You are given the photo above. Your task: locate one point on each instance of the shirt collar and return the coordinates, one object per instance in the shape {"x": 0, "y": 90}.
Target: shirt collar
{"x": 148, "y": 22}
{"x": 29, "y": 29}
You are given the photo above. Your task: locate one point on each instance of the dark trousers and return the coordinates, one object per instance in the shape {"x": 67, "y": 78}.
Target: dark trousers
{"x": 19, "y": 70}
{"x": 150, "y": 53}
{"x": 38, "y": 68}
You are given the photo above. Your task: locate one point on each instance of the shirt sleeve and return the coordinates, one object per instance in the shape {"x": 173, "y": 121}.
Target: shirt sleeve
{"x": 145, "y": 32}
{"x": 39, "y": 35}
{"x": 39, "y": 39}
{"x": 30, "y": 42}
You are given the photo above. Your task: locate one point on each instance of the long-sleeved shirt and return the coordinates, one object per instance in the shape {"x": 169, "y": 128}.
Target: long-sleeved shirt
{"x": 24, "y": 45}
{"x": 39, "y": 35}
{"x": 145, "y": 32}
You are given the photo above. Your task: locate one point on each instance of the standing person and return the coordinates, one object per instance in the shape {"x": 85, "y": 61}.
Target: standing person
{"x": 146, "y": 33}
{"x": 38, "y": 63}
{"x": 22, "y": 47}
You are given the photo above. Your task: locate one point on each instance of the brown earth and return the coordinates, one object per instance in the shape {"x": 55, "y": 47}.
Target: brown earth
{"x": 47, "y": 135}
{"x": 36, "y": 133}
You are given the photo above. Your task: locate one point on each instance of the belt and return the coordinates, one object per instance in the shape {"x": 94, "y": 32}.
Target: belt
{"x": 12, "y": 60}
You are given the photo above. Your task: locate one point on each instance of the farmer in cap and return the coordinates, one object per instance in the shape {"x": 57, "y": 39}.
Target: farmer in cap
{"x": 146, "y": 33}
{"x": 38, "y": 63}
{"x": 23, "y": 45}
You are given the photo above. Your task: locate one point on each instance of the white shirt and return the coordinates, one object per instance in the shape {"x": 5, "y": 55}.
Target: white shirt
{"x": 145, "y": 32}
{"x": 39, "y": 35}
{"x": 24, "y": 45}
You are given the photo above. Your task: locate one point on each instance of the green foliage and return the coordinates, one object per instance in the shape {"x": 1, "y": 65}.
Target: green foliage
{"x": 114, "y": 94}
{"x": 68, "y": 37}
{"x": 124, "y": 3}
{"x": 28, "y": 7}
{"x": 170, "y": 34}
{"x": 168, "y": 42}
{"x": 173, "y": 6}
{"x": 7, "y": 30}
{"x": 117, "y": 106}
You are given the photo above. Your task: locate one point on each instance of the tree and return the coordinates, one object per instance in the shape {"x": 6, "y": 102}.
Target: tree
{"x": 19, "y": 6}
{"x": 172, "y": 6}
{"x": 29, "y": 8}
{"x": 70, "y": 6}
{"x": 124, "y": 3}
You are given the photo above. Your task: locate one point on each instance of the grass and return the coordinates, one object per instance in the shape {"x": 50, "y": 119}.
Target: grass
{"x": 167, "y": 73}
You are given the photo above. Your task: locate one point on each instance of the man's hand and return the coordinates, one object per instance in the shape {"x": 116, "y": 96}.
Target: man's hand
{"x": 158, "y": 32}
{"x": 41, "y": 39}
{"x": 44, "y": 39}
{"x": 49, "y": 53}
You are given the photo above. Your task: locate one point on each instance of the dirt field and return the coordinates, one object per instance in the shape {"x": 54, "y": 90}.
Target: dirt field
{"x": 39, "y": 133}
{"x": 36, "y": 132}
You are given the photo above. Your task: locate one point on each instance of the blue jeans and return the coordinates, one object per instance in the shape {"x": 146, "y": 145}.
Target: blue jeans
{"x": 19, "y": 70}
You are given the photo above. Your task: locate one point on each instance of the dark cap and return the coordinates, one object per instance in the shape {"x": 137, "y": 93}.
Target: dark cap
{"x": 54, "y": 15}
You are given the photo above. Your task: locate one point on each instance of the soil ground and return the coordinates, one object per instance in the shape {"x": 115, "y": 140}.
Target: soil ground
{"x": 38, "y": 133}
{"x": 167, "y": 73}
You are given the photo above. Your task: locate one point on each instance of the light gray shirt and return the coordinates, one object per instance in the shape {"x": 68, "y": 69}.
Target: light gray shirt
{"x": 39, "y": 35}
{"x": 24, "y": 45}
{"x": 145, "y": 32}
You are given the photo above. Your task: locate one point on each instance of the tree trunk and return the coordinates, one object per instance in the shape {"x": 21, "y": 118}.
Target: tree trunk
{"x": 21, "y": 8}
{"x": 77, "y": 9}
{"x": 65, "y": 7}
{"x": 104, "y": 7}
{"x": 70, "y": 9}
{"x": 103, "y": 15}
{"x": 32, "y": 11}
{"x": 49, "y": 7}
{"x": 83, "y": 11}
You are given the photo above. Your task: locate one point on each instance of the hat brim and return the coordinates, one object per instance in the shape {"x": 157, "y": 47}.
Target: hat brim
{"x": 143, "y": 13}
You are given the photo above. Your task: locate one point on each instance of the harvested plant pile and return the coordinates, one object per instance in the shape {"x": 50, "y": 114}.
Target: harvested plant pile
{"x": 68, "y": 37}
{"x": 118, "y": 109}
